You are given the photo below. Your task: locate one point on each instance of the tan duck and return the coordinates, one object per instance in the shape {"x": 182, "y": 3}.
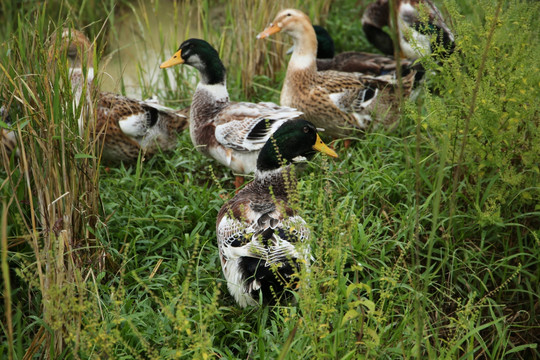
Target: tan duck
{"x": 126, "y": 126}
{"x": 233, "y": 133}
{"x": 336, "y": 101}
{"x": 262, "y": 240}
{"x": 416, "y": 37}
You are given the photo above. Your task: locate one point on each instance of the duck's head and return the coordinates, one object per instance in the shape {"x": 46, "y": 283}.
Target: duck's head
{"x": 202, "y": 56}
{"x": 289, "y": 21}
{"x": 325, "y": 43}
{"x": 75, "y": 46}
{"x": 295, "y": 141}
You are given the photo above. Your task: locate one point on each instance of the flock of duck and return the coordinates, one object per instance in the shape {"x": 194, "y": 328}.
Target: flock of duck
{"x": 262, "y": 240}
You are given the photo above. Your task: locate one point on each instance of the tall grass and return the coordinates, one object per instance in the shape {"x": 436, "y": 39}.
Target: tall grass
{"x": 123, "y": 263}
{"x": 50, "y": 193}
{"x": 230, "y": 27}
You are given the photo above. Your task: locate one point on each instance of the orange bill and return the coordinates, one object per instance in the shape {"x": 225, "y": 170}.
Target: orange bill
{"x": 321, "y": 146}
{"x": 272, "y": 29}
{"x": 174, "y": 60}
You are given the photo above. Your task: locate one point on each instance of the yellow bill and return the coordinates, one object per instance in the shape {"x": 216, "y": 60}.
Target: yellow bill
{"x": 272, "y": 29}
{"x": 174, "y": 60}
{"x": 321, "y": 146}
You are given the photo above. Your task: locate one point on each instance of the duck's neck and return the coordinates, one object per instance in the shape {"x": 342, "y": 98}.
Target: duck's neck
{"x": 211, "y": 94}
{"x": 80, "y": 80}
{"x": 81, "y": 84}
{"x": 212, "y": 70}
{"x": 281, "y": 180}
{"x": 305, "y": 49}
{"x": 207, "y": 101}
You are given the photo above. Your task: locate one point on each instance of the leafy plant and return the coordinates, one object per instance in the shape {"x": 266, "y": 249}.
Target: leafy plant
{"x": 425, "y": 240}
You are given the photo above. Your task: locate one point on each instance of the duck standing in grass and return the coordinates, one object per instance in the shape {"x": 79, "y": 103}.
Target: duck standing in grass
{"x": 233, "y": 133}
{"x": 336, "y": 101}
{"x": 126, "y": 126}
{"x": 261, "y": 239}
{"x": 415, "y": 30}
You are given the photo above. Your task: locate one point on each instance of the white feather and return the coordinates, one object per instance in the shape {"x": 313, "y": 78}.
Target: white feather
{"x": 300, "y": 62}
{"x": 218, "y": 91}
{"x": 363, "y": 120}
{"x": 419, "y": 44}
{"x": 336, "y": 98}
{"x": 134, "y": 125}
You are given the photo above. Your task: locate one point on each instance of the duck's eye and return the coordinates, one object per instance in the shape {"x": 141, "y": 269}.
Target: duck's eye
{"x": 289, "y": 14}
{"x": 306, "y": 129}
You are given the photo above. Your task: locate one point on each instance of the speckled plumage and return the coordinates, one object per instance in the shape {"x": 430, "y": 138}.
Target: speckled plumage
{"x": 125, "y": 126}
{"x": 261, "y": 225}
{"x": 262, "y": 240}
{"x": 157, "y": 127}
{"x": 336, "y": 101}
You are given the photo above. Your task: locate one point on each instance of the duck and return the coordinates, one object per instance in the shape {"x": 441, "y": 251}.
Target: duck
{"x": 339, "y": 102}
{"x": 415, "y": 34}
{"x": 125, "y": 126}
{"x": 8, "y": 138}
{"x": 232, "y": 133}
{"x": 263, "y": 242}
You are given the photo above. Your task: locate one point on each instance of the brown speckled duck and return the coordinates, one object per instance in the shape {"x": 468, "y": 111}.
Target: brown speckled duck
{"x": 233, "y": 133}
{"x": 262, "y": 240}
{"x": 126, "y": 126}
{"x": 336, "y": 101}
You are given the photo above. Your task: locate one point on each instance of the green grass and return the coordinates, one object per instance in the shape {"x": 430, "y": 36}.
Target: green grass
{"x": 426, "y": 239}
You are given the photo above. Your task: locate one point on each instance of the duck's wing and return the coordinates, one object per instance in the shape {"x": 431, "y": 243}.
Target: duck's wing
{"x": 146, "y": 115}
{"x": 247, "y": 126}
{"x": 259, "y": 244}
{"x": 128, "y": 126}
{"x": 270, "y": 239}
{"x": 343, "y": 90}
{"x": 355, "y": 92}
{"x": 250, "y": 214}
{"x": 134, "y": 117}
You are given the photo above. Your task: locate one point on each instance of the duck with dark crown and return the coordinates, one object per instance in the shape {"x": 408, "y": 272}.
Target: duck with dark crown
{"x": 232, "y": 133}
{"x": 262, "y": 240}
